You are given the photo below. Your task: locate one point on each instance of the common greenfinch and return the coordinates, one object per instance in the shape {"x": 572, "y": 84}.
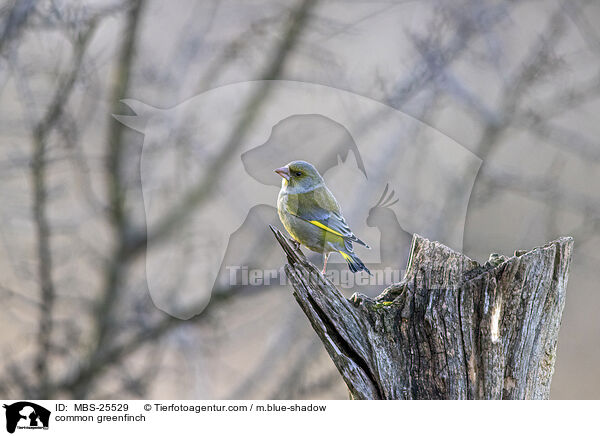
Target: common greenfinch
{"x": 312, "y": 216}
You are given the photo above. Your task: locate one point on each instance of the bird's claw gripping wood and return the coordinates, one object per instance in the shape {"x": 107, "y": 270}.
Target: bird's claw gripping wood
{"x": 295, "y": 243}
{"x": 451, "y": 329}
{"x": 291, "y": 249}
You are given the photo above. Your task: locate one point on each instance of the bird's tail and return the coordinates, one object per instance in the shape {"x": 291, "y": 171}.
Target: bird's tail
{"x": 354, "y": 263}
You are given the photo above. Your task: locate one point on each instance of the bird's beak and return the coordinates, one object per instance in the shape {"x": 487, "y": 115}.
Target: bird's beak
{"x": 284, "y": 172}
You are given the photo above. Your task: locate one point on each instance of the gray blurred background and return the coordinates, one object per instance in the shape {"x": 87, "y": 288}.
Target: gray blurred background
{"x": 515, "y": 83}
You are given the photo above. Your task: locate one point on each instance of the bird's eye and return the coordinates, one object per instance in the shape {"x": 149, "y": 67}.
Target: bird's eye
{"x": 298, "y": 173}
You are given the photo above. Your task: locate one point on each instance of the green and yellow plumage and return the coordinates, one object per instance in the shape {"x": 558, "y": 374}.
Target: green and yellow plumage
{"x": 312, "y": 216}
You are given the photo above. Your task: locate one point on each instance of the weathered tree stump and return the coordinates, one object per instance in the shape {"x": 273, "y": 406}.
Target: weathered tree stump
{"x": 451, "y": 329}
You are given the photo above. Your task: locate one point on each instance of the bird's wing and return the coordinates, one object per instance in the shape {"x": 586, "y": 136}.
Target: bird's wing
{"x": 331, "y": 221}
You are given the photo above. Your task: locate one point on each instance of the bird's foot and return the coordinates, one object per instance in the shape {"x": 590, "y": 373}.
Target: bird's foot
{"x": 295, "y": 243}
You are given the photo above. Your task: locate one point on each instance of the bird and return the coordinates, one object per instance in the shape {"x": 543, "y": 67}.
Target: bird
{"x": 312, "y": 216}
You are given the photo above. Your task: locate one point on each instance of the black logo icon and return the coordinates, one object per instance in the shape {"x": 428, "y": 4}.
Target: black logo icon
{"x": 26, "y": 415}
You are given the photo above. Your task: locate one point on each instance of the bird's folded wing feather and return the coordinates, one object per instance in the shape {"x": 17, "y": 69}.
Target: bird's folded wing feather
{"x": 331, "y": 221}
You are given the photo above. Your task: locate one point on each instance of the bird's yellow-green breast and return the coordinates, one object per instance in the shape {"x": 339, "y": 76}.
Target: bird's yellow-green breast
{"x": 310, "y": 233}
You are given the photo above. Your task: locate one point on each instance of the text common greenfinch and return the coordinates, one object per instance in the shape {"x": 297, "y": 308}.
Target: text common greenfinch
{"x": 312, "y": 216}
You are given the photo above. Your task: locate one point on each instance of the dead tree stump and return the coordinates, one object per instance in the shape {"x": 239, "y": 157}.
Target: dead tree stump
{"x": 451, "y": 329}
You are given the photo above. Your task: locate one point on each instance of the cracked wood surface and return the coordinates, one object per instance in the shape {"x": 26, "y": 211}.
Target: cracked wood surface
{"x": 451, "y": 329}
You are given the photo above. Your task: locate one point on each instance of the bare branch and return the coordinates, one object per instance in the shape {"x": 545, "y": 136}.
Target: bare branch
{"x": 38, "y": 173}
{"x": 201, "y": 192}
{"x": 15, "y": 21}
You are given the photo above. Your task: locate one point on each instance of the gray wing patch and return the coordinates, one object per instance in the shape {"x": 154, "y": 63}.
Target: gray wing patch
{"x": 330, "y": 221}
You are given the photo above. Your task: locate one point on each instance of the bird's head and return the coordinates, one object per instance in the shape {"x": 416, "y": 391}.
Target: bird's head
{"x": 300, "y": 174}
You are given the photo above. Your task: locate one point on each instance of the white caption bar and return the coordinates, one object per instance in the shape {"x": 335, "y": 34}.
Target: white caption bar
{"x": 22, "y": 417}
